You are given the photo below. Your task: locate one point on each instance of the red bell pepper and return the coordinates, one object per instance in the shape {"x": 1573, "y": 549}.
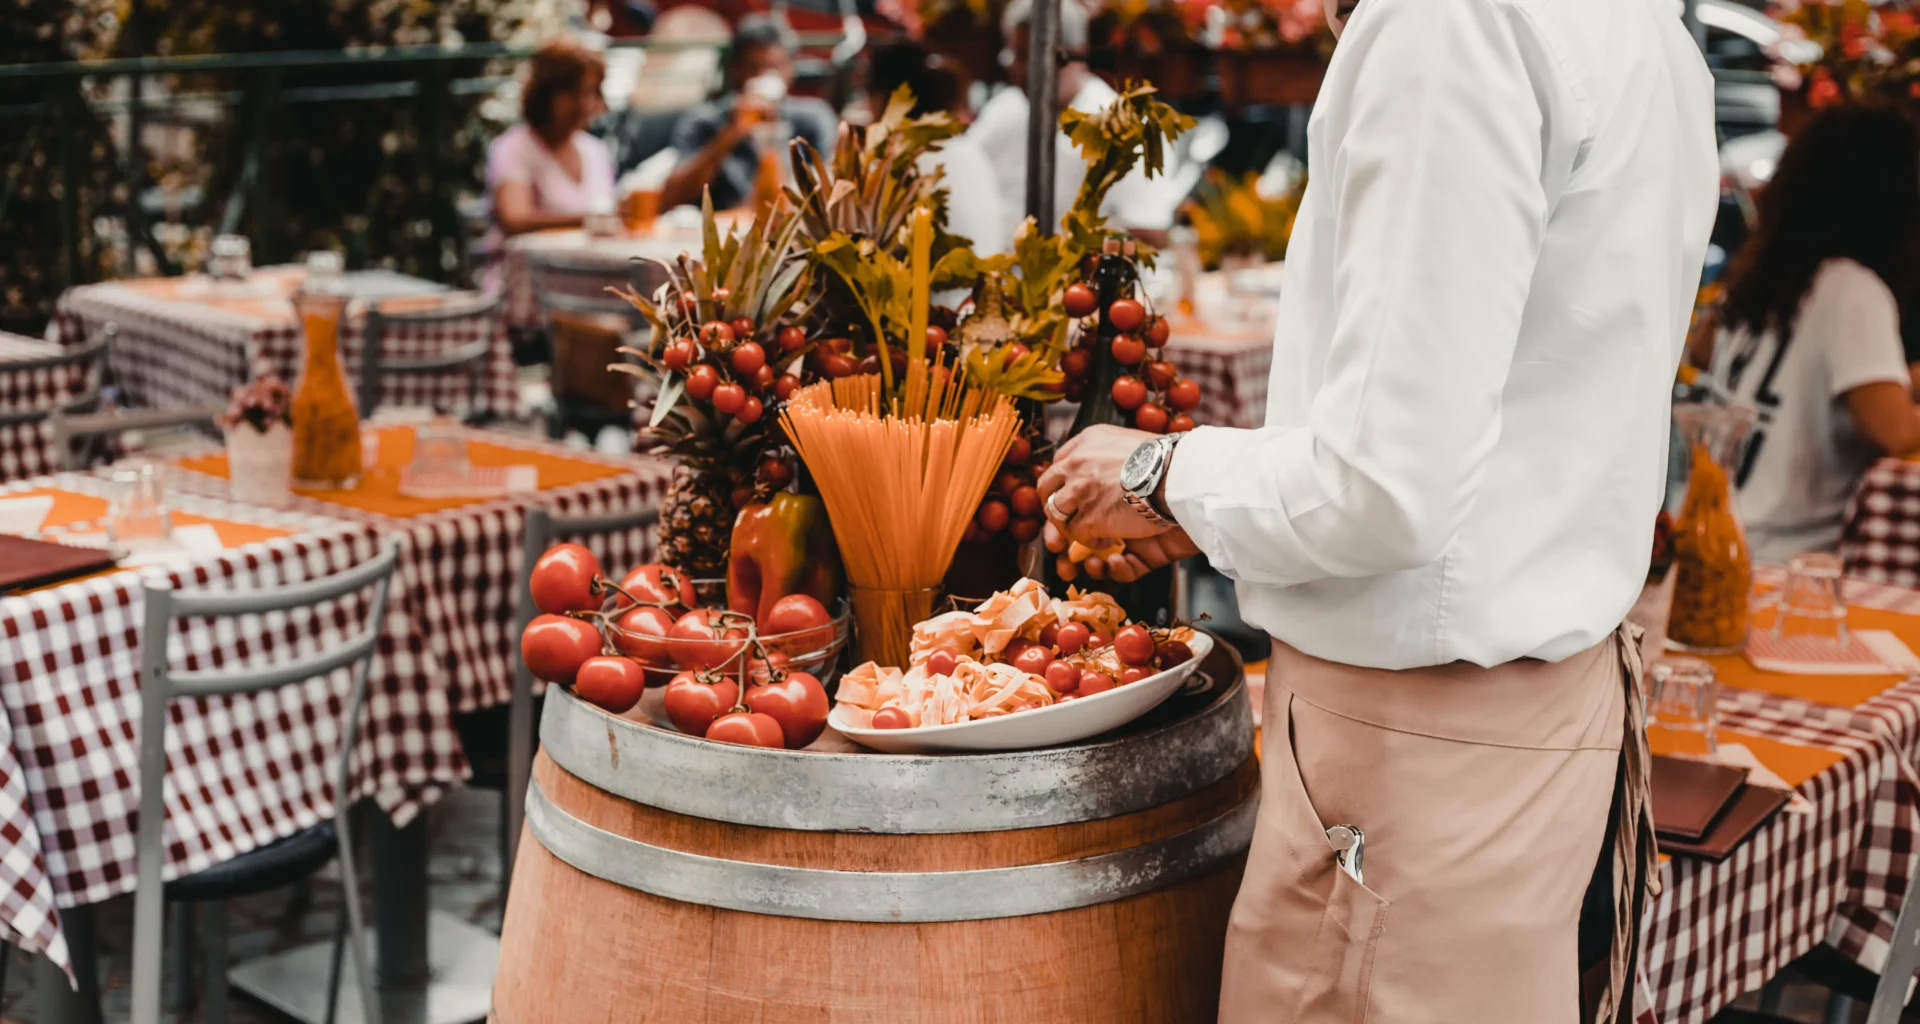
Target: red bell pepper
{"x": 782, "y": 546}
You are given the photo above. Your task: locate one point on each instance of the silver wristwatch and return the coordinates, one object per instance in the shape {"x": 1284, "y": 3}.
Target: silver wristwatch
{"x": 1141, "y": 474}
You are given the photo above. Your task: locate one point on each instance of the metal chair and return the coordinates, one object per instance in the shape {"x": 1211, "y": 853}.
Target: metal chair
{"x": 66, "y": 429}
{"x": 1848, "y": 982}
{"x": 277, "y": 864}
{"x": 94, "y": 353}
{"x": 472, "y": 357}
{"x": 586, "y": 397}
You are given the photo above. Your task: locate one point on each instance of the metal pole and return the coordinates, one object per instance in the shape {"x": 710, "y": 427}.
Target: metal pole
{"x": 1043, "y": 103}
{"x": 1690, "y": 17}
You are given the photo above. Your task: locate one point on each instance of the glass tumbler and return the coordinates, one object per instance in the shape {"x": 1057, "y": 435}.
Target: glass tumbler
{"x": 1682, "y": 699}
{"x": 138, "y": 508}
{"x": 1811, "y": 602}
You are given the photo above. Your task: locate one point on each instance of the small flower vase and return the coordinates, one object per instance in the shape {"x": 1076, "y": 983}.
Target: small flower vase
{"x": 260, "y": 465}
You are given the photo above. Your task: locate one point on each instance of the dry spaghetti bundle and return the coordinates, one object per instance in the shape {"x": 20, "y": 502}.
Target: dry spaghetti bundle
{"x": 901, "y": 478}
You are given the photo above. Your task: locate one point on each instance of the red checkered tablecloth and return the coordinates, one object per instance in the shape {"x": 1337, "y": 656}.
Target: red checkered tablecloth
{"x": 1880, "y": 538}
{"x": 592, "y": 265}
{"x": 189, "y": 341}
{"x": 27, "y": 449}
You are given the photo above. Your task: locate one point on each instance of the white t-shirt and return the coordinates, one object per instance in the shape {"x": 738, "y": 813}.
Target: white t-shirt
{"x": 974, "y": 209}
{"x": 519, "y": 155}
{"x": 1805, "y": 457}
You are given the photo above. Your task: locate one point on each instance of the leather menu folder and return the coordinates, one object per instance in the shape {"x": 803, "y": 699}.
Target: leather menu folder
{"x": 1752, "y": 808}
{"x": 1688, "y": 796}
{"x": 25, "y": 564}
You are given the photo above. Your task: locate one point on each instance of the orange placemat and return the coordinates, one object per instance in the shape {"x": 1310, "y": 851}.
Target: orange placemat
{"x": 1794, "y": 764}
{"x": 233, "y": 534}
{"x": 1836, "y": 691}
{"x": 69, "y": 507}
{"x": 379, "y": 489}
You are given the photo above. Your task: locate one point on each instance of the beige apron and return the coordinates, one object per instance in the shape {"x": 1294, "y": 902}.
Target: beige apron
{"x": 1484, "y": 795}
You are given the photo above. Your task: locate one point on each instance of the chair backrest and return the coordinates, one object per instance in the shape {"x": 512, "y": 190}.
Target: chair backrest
{"x": 482, "y": 312}
{"x": 67, "y": 429}
{"x": 542, "y": 527}
{"x": 159, "y": 685}
{"x": 92, "y": 354}
{"x": 580, "y": 324}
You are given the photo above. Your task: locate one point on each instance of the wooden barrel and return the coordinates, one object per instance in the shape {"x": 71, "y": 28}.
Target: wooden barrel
{"x": 663, "y": 878}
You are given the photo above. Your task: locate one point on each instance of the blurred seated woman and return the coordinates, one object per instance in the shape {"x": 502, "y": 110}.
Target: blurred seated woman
{"x": 547, "y": 172}
{"x": 1811, "y": 326}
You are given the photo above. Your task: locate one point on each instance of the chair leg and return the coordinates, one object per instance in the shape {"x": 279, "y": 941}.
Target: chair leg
{"x": 357, "y": 926}
{"x": 1839, "y": 1009}
{"x": 215, "y": 949}
{"x": 333, "y": 972}
{"x": 178, "y": 983}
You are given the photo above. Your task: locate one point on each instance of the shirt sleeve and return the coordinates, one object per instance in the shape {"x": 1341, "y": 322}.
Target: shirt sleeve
{"x": 1439, "y": 204}
{"x": 1851, "y": 314}
{"x": 508, "y": 160}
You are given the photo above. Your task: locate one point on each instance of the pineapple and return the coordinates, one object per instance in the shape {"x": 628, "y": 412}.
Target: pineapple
{"x": 696, "y": 519}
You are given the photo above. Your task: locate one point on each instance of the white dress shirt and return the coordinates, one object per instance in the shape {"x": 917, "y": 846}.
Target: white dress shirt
{"x": 1487, "y": 294}
{"x": 974, "y": 207}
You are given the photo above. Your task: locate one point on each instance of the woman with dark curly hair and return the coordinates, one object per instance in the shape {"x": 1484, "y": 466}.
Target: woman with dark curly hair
{"x": 1811, "y": 327}
{"x": 547, "y": 172}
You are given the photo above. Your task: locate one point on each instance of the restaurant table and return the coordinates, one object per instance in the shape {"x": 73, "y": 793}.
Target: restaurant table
{"x": 594, "y": 263}
{"x": 190, "y": 340}
{"x": 1880, "y": 534}
{"x": 26, "y": 449}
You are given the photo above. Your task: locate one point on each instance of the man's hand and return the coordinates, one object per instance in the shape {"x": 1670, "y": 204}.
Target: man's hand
{"x": 1142, "y": 555}
{"x": 1082, "y": 488}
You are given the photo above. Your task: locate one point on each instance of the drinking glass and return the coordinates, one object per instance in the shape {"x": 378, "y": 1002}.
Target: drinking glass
{"x": 232, "y": 258}
{"x": 1682, "y": 698}
{"x": 324, "y": 270}
{"x": 138, "y": 508}
{"x": 440, "y": 450}
{"x": 1811, "y": 603}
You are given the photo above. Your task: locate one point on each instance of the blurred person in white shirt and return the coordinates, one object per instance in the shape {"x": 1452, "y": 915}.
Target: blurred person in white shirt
{"x": 974, "y": 207}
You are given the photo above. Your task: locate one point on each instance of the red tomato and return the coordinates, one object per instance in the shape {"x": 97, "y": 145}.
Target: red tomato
{"x": 1073, "y": 638}
{"x": 658, "y": 584}
{"x": 1050, "y": 634}
{"x": 612, "y": 683}
{"x": 798, "y": 703}
{"x": 1151, "y": 418}
{"x": 1134, "y": 644}
{"x": 1092, "y": 682}
{"x": 702, "y": 640}
{"x": 1184, "y": 394}
{"x": 1158, "y": 331}
{"x": 839, "y": 365}
{"x": 693, "y": 705}
{"x": 1025, "y": 501}
{"x": 936, "y": 337}
{"x": 1077, "y": 363}
{"x": 760, "y": 670}
{"x": 763, "y": 378}
{"x": 748, "y": 358}
{"x": 784, "y": 388}
{"x": 747, "y": 728}
{"x": 642, "y": 633}
{"x": 795, "y": 613}
{"x": 1161, "y": 374}
{"x": 750, "y": 410}
{"x": 1015, "y": 352}
{"x": 1019, "y": 451}
{"x": 702, "y": 380}
{"x": 1172, "y": 652}
{"x": 689, "y": 305}
{"x": 562, "y": 580}
{"x": 1034, "y": 660}
{"x": 942, "y": 661}
{"x": 679, "y": 355}
{"x": 870, "y": 364}
{"x": 728, "y": 398}
{"x": 743, "y": 328}
{"x": 992, "y": 516}
{"x": 1095, "y": 641}
{"x": 1079, "y": 299}
{"x": 1180, "y": 424}
{"x": 1024, "y": 530}
{"x": 792, "y": 339}
{"x": 891, "y": 718}
{"x": 1126, "y": 314}
{"x": 1128, "y": 350}
{"x": 716, "y": 334}
{"x": 1063, "y": 677}
{"x": 1134, "y": 674}
{"x": 1129, "y": 392}
{"x": 776, "y": 472}
{"x": 554, "y": 646}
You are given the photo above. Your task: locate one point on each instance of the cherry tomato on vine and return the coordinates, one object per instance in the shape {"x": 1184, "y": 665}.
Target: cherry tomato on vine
{"x": 555, "y": 646}
{"x": 562, "y": 580}
{"x": 1158, "y": 331}
{"x": 1127, "y": 314}
{"x": 1133, "y": 674}
{"x": 747, "y": 728}
{"x": 1019, "y": 451}
{"x": 1063, "y": 677}
{"x": 791, "y": 339}
{"x": 1073, "y": 638}
{"x": 679, "y": 355}
{"x": 1128, "y": 350}
{"x": 1184, "y": 394}
{"x": 1129, "y": 392}
{"x": 775, "y": 472}
{"x": 839, "y": 364}
{"x": 798, "y": 703}
{"x": 642, "y": 633}
{"x": 936, "y": 338}
{"x": 1034, "y": 660}
{"x": 1180, "y": 424}
{"x": 750, "y": 410}
{"x": 1151, "y": 418}
{"x": 1161, "y": 374}
{"x": 1079, "y": 299}
{"x": 795, "y": 613}
{"x": 1077, "y": 363}
{"x": 703, "y": 639}
{"x": 1172, "y": 652}
{"x": 992, "y": 516}
{"x": 692, "y": 705}
{"x": 658, "y": 584}
{"x": 1134, "y": 644}
{"x": 716, "y": 334}
{"x": 702, "y": 380}
{"x": 784, "y": 388}
{"x": 612, "y": 683}
{"x": 749, "y": 358}
{"x": 1025, "y": 501}
{"x": 743, "y": 329}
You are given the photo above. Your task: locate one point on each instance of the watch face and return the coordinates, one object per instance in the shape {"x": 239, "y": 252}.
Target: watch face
{"x": 1139, "y": 467}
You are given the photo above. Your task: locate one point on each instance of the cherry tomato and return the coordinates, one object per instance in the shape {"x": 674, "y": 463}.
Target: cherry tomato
{"x": 1161, "y": 374}
{"x": 840, "y": 346}
{"x": 1158, "y": 331}
{"x": 1129, "y": 392}
{"x": 1134, "y": 644}
{"x": 749, "y": 358}
{"x": 693, "y": 705}
{"x": 1015, "y": 647}
{"x": 1019, "y": 451}
{"x": 942, "y": 661}
{"x": 1172, "y": 652}
{"x": 891, "y": 718}
{"x": 1151, "y": 418}
{"x": 1034, "y": 660}
{"x": 839, "y": 364}
{"x": 702, "y": 380}
{"x": 870, "y": 364}
{"x": 992, "y": 516}
{"x": 679, "y": 355}
{"x": 797, "y": 614}
{"x": 747, "y": 728}
{"x": 1079, "y": 299}
{"x": 1015, "y": 353}
{"x": 562, "y": 580}
{"x": 1077, "y": 363}
{"x": 612, "y": 683}
{"x": 1180, "y": 424}
{"x": 784, "y": 388}
{"x": 1050, "y": 634}
{"x": 701, "y": 640}
{"x": 761, "y": 670}
{"x": 1024, "y": 500}
{"x": 1184, "y": 394}
{"x": 1128, "y": 350}
{"x": 936, "y": 337}
{"x": 1075, "y": 390}
{"x": 1126, "y": 314}
{"x": 554, "y": 647}
{"x": 1073, "y": 638}
{"x": 658, "y": 584}
{"x": 1092, "y": 682}
{"x": 1095, "y": 641}
{"x": 798, "y": 703}
{"x": 750, "y": 410}
{"x": 642, "y": 632}
{"x": 716, "y": 334}
{"x": 743, "y": 329}
{"x": 720, "y": 296}
{"x": 791, "y": 339}
{"x": 1024, "y": 530}
{"x": 1133, "y": 674}
{"x": 728, "y": 398}
{"x": 776, "y": 472}
{"x": 1063, "y": 677}
{"x": 689, "y": 305}
{"x": 763, "y": 378}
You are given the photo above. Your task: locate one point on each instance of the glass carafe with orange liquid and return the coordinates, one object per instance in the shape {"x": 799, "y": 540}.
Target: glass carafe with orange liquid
{"x": 326, "y": 422}
{"x": 1713, "y": 566}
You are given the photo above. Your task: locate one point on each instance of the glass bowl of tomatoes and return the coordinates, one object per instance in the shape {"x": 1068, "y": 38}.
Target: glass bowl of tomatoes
{"x": 800, "y": 635}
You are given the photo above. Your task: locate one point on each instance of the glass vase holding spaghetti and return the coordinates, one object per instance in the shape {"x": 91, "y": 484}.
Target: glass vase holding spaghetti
{"x": 1713, "y": 571}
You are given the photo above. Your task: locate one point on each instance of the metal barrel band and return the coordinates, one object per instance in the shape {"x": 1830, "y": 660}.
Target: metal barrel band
{"x": 891, "y": 897}
{"x": 898, "y": 795}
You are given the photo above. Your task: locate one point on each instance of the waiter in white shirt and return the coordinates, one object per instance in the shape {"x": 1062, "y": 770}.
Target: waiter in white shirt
{"x": 1450, "y": 511}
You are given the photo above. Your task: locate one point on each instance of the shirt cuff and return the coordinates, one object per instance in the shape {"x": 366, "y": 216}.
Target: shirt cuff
{"x": 1203, "y": 455}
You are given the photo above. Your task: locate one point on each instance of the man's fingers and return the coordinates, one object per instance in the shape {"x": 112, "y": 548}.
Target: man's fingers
{"x": 1054, "y": 537}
